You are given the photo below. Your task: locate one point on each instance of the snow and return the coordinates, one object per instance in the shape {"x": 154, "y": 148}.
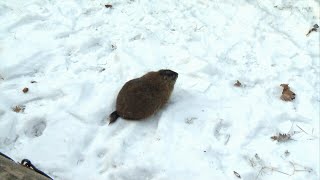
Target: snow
{"x": 80, "y": 53}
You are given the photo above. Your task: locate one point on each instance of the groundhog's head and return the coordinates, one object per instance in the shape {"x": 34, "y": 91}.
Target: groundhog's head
{"x": 168, "y": 75}
{"x": 168, "y": 78}
{"x": 162, "y": 77}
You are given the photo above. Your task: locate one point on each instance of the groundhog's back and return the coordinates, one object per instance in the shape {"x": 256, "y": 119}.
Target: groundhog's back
{"x": 140, "y": 98}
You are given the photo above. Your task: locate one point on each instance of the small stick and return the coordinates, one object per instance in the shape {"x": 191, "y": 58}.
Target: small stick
{"x": 301, "y": 129}
{"x": 228, "y": 137}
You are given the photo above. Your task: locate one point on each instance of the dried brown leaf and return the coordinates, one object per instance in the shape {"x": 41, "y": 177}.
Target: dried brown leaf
{"x": 108, "y": 6}
{"x": 18, "y": 108}
{"x": 287, "y": 94}
{"x": 25, "y": 90}
{"x": 237, "y": 84}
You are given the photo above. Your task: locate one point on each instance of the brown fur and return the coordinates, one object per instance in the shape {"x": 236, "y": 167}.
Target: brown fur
{"x": 142, "y": 97}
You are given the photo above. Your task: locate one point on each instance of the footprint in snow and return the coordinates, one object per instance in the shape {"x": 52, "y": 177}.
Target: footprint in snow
{"x": 35, "y": 128}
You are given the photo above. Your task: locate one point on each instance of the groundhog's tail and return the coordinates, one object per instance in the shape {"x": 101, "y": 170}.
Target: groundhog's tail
{"x": 113, "y": 117}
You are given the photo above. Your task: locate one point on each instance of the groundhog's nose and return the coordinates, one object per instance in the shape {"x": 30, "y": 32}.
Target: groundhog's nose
{"x": 175, "y": 75}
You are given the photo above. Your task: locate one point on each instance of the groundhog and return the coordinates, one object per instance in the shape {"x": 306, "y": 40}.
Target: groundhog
{"x": 142, "y": 97}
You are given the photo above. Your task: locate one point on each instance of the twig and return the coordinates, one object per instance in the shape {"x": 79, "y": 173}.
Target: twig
{"x": 307, "y": 133}
{"x": 260, "y": 172}
{"x": 302, "y": 129}
{"x": 299, "y": 170}
{"x": 273, "y": 169}
{"x": 228, "y": 137}
{"x": 263, "y": 167}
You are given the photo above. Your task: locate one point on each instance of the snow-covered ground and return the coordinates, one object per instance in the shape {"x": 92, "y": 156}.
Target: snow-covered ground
{"x": 80, "y": 53}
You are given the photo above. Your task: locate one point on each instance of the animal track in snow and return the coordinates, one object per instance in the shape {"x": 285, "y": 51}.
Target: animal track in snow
{"x": 220, "y": 130}
{"x": 35, "y": 128}
{"x": 101, "y": 153}
{"x": 190, "y": 120}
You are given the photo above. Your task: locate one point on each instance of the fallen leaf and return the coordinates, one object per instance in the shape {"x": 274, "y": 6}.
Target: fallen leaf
{"x": 287, "y": 94}
{"x": 19, "y": 108}
{"x": 108, "y": 6}
{"x": 237, "y": 84}
{"x": 25, "y": 90}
